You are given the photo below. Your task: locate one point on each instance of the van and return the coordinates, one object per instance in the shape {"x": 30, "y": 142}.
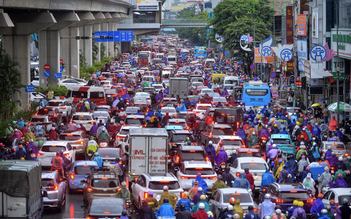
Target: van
{"x": 209, "y": 62}
{"x": 160, "y": 55}
{"x": 172, "y": 59}
{"x": 96, "y": 94}
{"x": 231, "y": 116}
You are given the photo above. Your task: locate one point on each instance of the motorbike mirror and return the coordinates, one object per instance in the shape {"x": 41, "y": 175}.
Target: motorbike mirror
{"x": 45, "y": 194}
{"x": 176, "y": 169}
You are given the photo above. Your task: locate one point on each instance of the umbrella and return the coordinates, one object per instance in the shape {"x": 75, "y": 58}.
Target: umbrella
{"x": 315, "y": 104}
{"x": 286, "y": 86}
{"x": 121, "y": 75}
{"x": 343, "y": 107}
{"x": 321, "y": 100}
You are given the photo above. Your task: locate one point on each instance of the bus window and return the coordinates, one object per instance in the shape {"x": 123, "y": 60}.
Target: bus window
{"x": 256, "y": 92}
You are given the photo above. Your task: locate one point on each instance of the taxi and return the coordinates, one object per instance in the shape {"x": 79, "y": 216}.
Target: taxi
{"x": 283, "y": 142}
{"x": 337, "y": 146}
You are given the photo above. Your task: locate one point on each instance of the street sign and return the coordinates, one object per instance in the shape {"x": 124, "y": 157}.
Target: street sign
{"x": 273, "y": 75}
{"x": 47, "y": 74}
{"x": 58, "y": 75}
{"x": 47, "y": 67}
{"x": 61, "y": 61}
{"x": 61, "y": 69}
{"x": 252, "y": 66}
{"x": 29, "y": 89}
{"x": 113, "y": 36}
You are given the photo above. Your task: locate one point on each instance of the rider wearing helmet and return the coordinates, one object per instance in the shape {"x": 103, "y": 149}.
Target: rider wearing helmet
{"x": 251, "y": 214}
{"x": 92, "y": 145}
{"x": 151, "y": 201}
{"x": 345, "y": 209}
{"x": 170, "y": 197}
{"x": 66, "y": 162}
{"x": 98, "y": 159}
{"x": 253, "y": 140}
{"x": 124, "y": 192}
{"x": 145, "y": 211}
{"x": 183, "y": 213}
{"x": 267, "y": 207}
{"x": 317, "y": 206}
{"x": 324, "y": 215}
{"x": 165, "y": 210}
{"x": 57, "y": 164}
{"x": 229, "y": 213}
{"x": 185, "y": 201}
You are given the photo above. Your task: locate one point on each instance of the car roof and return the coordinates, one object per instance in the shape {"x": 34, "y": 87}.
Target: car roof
{"x": 250, "y": 160}
{"x": 82, "y": 113}
{"x": 176, "y": 120}
{"x": 57, "y": 143}
{"x": 233, "y": 190}
{"x": 103, "y": 201}
{"x": 160, "y": 176}
{"x": 230, "y": 137}
{"x": 102, "y": 106}
{"x": 289, "y": 187}
{"x": 167, "y": 107}
{"x": 169, "y": 98}
{"x": 247, "y": 150}
{"x": 221, "y": 125}
{"x": 135, "y": 116}
{"x": 85, "y": 162}
{"x": 181, "y": 131}
{"x": 341, "y": 191}
{"x": 280, "y": 136}
{"x": 191, "y": 147}
{"x": 191, "y": 164}
{"x": 48, "y": 174}
{"x": 39, "y": 116}
{"x": 70, "y": 132}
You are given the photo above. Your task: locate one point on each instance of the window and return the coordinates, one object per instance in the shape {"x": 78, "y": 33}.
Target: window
{"x": 281, "y": 141}
{"x": 332, "y": 196}
{"x": 235, "y": 164}
{"x": 232, "y": 142}
{"x": 104, "y": 183}
{"x": 244, "y": 197}
{"x": 79, "y": 94}
{"x": 288, "y": 196}
{"x": 70, "y": 82}
{"x": 82, "y": 117}
{"x": 83, "y": 170}
{"x": 217, "y": 196}
{"x": 159, "y": 185}
{"x": 70, "y": 137}
{"x": 38, "y": 119}
{"x": 96, "y": 94}
{"x": 256, "y": 92}
{"x": 254, "y": 166}
{"x": 326, "y": 195}
{"x": 226, "y": 131}
{"x": 203, "y": 171}
{"x": 181, "y": 138}
{"x": 144, "y": 17}
{"x": 196, "y": 155}
{"x": 50, "y": 148}
{"x": 69, "y": 147}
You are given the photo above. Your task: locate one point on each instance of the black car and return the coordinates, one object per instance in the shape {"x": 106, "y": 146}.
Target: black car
{"x": 53, "y": 112}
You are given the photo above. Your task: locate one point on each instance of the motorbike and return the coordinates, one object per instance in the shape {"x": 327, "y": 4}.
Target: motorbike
{"x": 103, "y": 144}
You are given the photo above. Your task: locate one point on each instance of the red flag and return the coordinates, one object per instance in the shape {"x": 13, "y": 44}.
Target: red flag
{"x": 331, "y": 80}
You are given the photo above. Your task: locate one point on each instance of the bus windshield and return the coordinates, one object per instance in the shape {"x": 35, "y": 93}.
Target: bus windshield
{"x": 256, "y": 92}
{"x": 257, "y": 96}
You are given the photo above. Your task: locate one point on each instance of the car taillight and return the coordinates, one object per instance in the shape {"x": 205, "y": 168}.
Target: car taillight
{"x": 237, "y": 174}
{"x": 40, "y": 154}
{"x": 80, "y": 142}
{"x": 177, "y": 159}
{"x": 210, "y": 134}
{"x": 310, "y": 201}
{"x": 255, "y": 209}
{"x": 62, "y": 107}
{"x": 213, "y": 177}
{"x": 66, "y": 155}
{"x": 207, "y": 159}
{"x": 279, "y": 200}
{"x": 89, "y": 189}
{"x": 72, "y": 176}
{"x": 52, "y": 188}
{"x": 145, "y": 195}
{"x": 184, "y": 177}
{"x": 193, "y": 143}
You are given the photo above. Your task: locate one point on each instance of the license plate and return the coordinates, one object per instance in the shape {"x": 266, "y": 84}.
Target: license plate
{"x": 256, "y": 107}
{"x": 106, "y": 163}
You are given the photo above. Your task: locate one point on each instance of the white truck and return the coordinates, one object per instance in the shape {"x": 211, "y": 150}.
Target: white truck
{"x": 179, "y": 86}
{"x": 148, "y": 151}
{"x": 20, "y": 189}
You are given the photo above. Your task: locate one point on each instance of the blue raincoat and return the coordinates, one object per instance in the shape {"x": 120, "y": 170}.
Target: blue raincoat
{"x": 267, "y": 179}
{"x": 125, "y": 97}
{"x": 166, "y": 91}
{"x": 151, "y": 113}
{"x": 202, "y": 183}
{"x": 165, "y": 210}
{"x": 242, "y": 134}
{"x": 98, "y": 160}
{"x": 186, "y": 202}
{"x": 328, "y": 153}
{"x": 316, "y": 131}
{"x": 181, "y": 108}
{"x": 283, "y": 132}
{"x": 267, "y": 208}
{"x": 317, "y": 207}
{"x": 263, "y": 132}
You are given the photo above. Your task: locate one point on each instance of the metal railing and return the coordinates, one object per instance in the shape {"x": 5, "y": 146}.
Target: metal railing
{"x": 138, "y": 21}
{"x": 184, "y": 21}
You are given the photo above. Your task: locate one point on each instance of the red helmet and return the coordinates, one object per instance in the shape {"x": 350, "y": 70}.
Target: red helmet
{"x": 320, "y": 195}
{"x": 339, "y": 175}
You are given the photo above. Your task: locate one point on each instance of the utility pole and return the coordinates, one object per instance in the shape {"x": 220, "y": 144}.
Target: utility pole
{"x": 254, "y": 37}
{"x": 337, "y": 66}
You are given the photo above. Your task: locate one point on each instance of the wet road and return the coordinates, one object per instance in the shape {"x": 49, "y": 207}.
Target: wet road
{"x": 72, "y": 209}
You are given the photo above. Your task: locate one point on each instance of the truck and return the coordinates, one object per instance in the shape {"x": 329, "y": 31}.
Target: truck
{"x": 178, "y": 86}
{"x": 148, "y": 151}
{"x": 20, "y": 189}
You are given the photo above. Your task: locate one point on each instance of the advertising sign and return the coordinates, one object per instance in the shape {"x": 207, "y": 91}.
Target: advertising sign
{"x": 344, "y": 42}
{"x": 341, "y": 63}
{"x": 307, "y": 68}
{"x": 147, "y": 5}
{"x": 301, "y": 25}
{"x": 268, "y": 59}
{"x": 289, "y": 25}
{"x": 302, "y": 49}
{"x": 274, "y": 91}
{"x": 315, "y": 25}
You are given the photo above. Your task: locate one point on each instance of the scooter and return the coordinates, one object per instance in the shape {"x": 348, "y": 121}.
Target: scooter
{"x": 103, "y": 144}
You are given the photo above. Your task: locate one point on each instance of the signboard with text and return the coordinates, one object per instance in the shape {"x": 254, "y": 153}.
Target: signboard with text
{"x": 301, "y": 25}
{"x": 147, "y": 5}
{"x": 289, "y": 25}
{"x": 268, "y": 59}
{"x": 113, "y": 36}
{"x": 344, "y": 39}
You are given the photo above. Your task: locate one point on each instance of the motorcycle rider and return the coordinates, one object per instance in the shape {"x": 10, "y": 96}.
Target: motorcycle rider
{"x": 20, "y": 153}
{"x": 227, "y": 177}
{"x": 253, "y": 140}
{"x": 165, "y": 210}
{"x": 185, "y": 201}
{"x": 272, "y": 154}
{"x": 250, "y": 178}
{"x": 124, "y": 192}
{"x": 57, "y": 164}
{"x": 221, "y": 157}
{"x": 183, "y": 213}
{"x": 66, "y": 162}
{"x": 210, "y": 151}
{"x": 317, "y": 206}
{"x": 98, "y": 159}
{"x": 103, "y": 136}
{"x": 267, "y": 179}
{"x": 202, "y": 182}
{"x": 229, "y": 213}
{"x": 171, "y": 199}
{"x": 92, "y": 145}
{"x": 242, "y": 134}
{"x": 145, "y": 211}
{"x": 251, "y": 214}
{"x": 218, "y": 184}
{"x": 267, "y": 207}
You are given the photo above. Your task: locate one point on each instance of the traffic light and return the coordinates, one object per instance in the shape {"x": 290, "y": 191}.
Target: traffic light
{"x": 304, "y": 83}
{"x": 292, "y": 79}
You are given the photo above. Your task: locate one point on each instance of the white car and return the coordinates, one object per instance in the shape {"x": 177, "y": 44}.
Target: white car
{"x": 337, "y": 194}
{"x": 122, "y": 134}
{"x": 201, "y": 109}
{"x": 158, "y": 87}
{"x": 104, "y": 116}
{"x": 206, "y": 91}
{"x": 230, "y": 143}
{"x": 154, "y": 182}
{"x": 106, "y": 84}
{"x": 256, "y": 165}
{"x": 70, "y": 83}
{"x": 143, "y": 95}
{"x": 188, "y": 172}
{"x": 172, "y": 111}
{"x": 49, "y": 149}
{"x": 35, "y": 82}
{"x": 148, "y": 79}
{"x": 38, "y": 119}
{"x": 64, "y": 107}
{"x": 83, "y": 118}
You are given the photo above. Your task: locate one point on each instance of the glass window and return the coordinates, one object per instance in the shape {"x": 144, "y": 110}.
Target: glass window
{"x": 197, "y": 155}
{"x": 135, "y": 121}
{"x": 107, "y": 206}
{"x": 203, "y": 171}
{"x": 202, "y": 107}
{"x": 104, "y": 183}
{"x": 253, "y": 166}
{"x": 109, "y": 152}
{"x": 159, "y": 185}
{"x": 225, "y": 131}
{"x": 83, "y": 170}
{"x": 55, "y": 103}
{"x": 181, "y": 138}
{"x": 144, "y": 17}
{"x": 82, "y": 117}
{"x": 96, "y": 94}
{"x": 69, "y": 137}
{"x": 281, "y": 141}
{"x": 244, "y": 197}
{"x": 256, "y": 92}
{"x": 124, "y": 132}
{"x": 38, "y": 120}
{"x": 79, "y": 94}
{"x": 52, "y": 148}
{"x": 45, "y": 183}
{"x": 232, "y": 142}
{"x": 294, "y": 196}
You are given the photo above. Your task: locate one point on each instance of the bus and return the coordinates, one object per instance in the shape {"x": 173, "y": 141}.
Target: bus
{"x": 144, "y": 40}
{"x": 144, "y": 58}
{"x": 200, "y": 52}
{"x": 256, "y": 94}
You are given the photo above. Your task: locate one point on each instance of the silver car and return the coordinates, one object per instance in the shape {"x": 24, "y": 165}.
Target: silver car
{"x": 54, "y": 190}
{"x": 102, "y": 115}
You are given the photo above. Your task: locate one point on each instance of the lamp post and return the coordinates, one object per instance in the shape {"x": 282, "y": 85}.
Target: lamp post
{"x": 337, "y": 66}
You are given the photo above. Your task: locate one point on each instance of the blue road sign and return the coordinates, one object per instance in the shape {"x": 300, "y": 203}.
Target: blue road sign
{"x": 273, "y": 75}
{"x": 104, "y": 34}
{"x": 123, "y": 36}
{"x": 110, "y": 34}
{"x": 117, "y": 36}
{"x": 129, "y": 35}
{"x": 58, "y": 75}
{"x": 47, "y": 74}
{"x": 97, "y": 35}
{"x": 252, "y": 66}
{"x": 29, "y": 89}
{"x": 61, "y": 69}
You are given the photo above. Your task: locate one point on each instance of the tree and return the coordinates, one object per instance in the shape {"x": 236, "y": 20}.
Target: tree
{"x": 196, "y": 35}
{"x": 10, "y": 84}
{"x": 234, "y": 18}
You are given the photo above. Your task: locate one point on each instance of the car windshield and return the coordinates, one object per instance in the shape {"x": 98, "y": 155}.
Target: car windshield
{"x": 253, "y": 166}
{"x": 244, "y": 197}
{"x": 101, "y": 109}
{"x": 232, "y": 142}
{"x": 225, "y": 131}
{"x": 249, "y": 154}
{"x": 132, "y": 110}
{"x": 341, "y": 198}
{"x": 104, "y": 183}
{"x": 222, "y": 99}
{"x": 52, "y": 148}
{"x": 45, "y": 183}
{"x": 183, "y": 124}
{"x": 82, "y": 117}
{"x": 170, "y": 101}
{"x": 79, "y": 94}
{"x": 110, "y": 91}
{"x": 107, "y": 152}
{"x": 97, "y": 95}
{"x": 158, "y": 185}
{"x": 295, "y": 195}
{"x": 206, "y": 91}
{"x": 281, "y": 141}
{"x": 106, "y": 207}
{"x": 196, "y": 155}
{"x": 83, "y": 170}
{"x": 335, "y": 146}
{"x": 172, "y": 110}
{"x": 202, "y": 107}
{"x": 135, "y": 121}
{"x": 203, "y": 171}
{"x": 124, "y": 132}
{"x": 35, "y": 119}
{"x": 181, "y": 138}
{"x": 141, "y": 95}
{"x": 55, "y": 103}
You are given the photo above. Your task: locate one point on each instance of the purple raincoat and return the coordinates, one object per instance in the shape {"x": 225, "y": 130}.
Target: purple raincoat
{"x": 16, "y": 135}
{"x": 332, "y": 160}
{"x": 263, "y": 132}
{"x": 224, "y": 93}
{"x": 221, "y": 157}
{"x": 298, "y": 211}
{"x": 340, "y": 183}
{"x": 159, "y": 97}
{"x": 93, "y": 129}
{"x": 33, "y": 147}
{"x": 336, "y": 210}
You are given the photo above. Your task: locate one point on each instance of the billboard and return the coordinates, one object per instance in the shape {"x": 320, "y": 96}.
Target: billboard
{"x": 265, "y": 59}
{"x": 301, "y": 25}
{"x": 147, "y": 5}
{"x": 289, "y": 25}
{"x": 315, "y": 25}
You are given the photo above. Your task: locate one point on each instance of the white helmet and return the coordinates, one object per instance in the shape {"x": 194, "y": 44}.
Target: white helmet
{"x": 267, "y": 196}
{"x": 324, "y": 211}
{"x": 230, "y": 207}
{"x": 201, "y": 206}
{"x": 278, "y": 211}
{"x": 274, "y": 146}
{"x": 236, "y": 216}
{"x": 253, "y": 133}
{"x": 210, "y": 142}
{"x": 165, "y": 188}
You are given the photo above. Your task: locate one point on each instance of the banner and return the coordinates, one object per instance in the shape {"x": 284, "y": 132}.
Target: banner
{"x": 302, "y": 49}
{"x": 301, "y": 25}
{"x": 315, "y": 25}
{"x": 265, "y": 47}
{"x": 289, "y": 25}
{"x": 268, "y": 59}
{"x": 274, "y": 91}
{"x": 147, "y": 5}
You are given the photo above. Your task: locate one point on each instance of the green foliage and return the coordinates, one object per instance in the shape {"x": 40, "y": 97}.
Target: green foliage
{"x": 195, "y": 35}
{"x": 87, "y": 71}
{"x": 58, "y": 91}
{"x": 95, "y": 51}
{"x": 10, "y": 85}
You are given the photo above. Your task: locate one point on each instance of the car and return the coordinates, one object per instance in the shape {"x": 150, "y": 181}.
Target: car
{"x": 122, "y": 133}
{"x": 109, "y": 155}
{"x": 194, "y": 99}
{"x": 64, "y": 107}
{"x": 336, "y": 194}
{"x": 188, "y": 153}
{"x": 105, "y": 208}
{"x": 198, "y": 89}
{"x": 143, "y": 95}
{"x": 102, "y": 115}
{"x": 230, "y": 143}
{"x": 256, "y": 165}
{"x": 206, "y": 91}
{"x": 106, "y": 84}
{"x": 135, "y": 120}
{"x": 70, "y": 83}
{"x": 337, "y": 146}
{"x": 168, "y": 102}
{"x": 220, "y": 200}
{"x": 181, "y": 122}
{"x": 83, "y": 118}
{"x": 154, "y": 182}
{"x": 37, "y": 119}
{"x": 37, "y": 96}
{"x": 55, "y": 187}
{"x": 49, "y": 149}
{"x": 79, "y": 171}
{"x": 188, "y": 170}
{"x": 141, "y": 103}
{"x": 214, "y": 131}
{"x": 292, "y": 110}
{"x": 216, "y": 100}
{"x": 171, "y": 111}
{"x": 284, "y": 195}
{"x": 283, "y": 142}
{"x": 250, "y": 152}
{"x": 101, "y": 183}
{"x": 147, "y": 78}
{"x": 195, "y": 84}
{"x": 102, "y": 108}
{"x": 157, "y": 87}
{"x": 53, "y": 113}
{"x": 201, "y": 109}
{"x": 131, "y": 110}
{"x": 78, "y": 140}
{"x": 177, "y": 137}
{"x": 186, "y": 115}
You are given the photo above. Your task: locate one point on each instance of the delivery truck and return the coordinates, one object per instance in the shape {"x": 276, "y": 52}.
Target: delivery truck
{"x": 178, "y": 86}
{"x": 148, "y": 151}
{"x": 20, "y": 189}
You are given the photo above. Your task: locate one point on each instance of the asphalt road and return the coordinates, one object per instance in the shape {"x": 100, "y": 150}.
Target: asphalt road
{"x": 72, "y": 209}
